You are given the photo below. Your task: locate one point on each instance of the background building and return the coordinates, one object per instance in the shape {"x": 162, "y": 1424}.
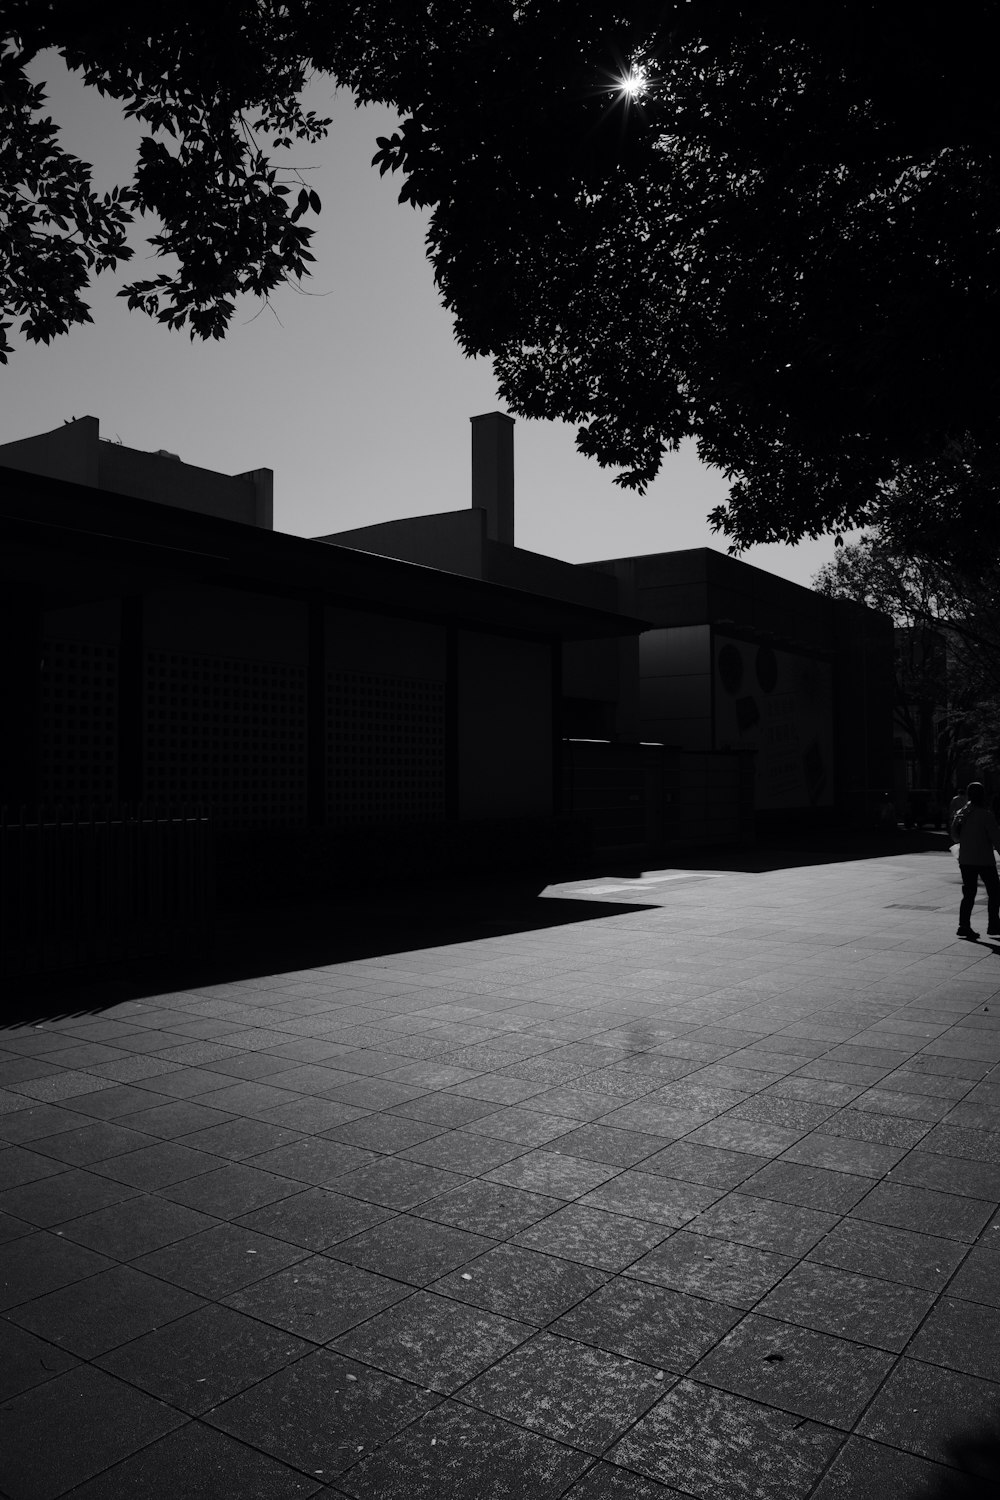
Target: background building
{"x": 421, "y": 689}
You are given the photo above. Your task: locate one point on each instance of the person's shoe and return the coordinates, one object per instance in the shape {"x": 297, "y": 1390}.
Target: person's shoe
{"x": 967, "y": 932}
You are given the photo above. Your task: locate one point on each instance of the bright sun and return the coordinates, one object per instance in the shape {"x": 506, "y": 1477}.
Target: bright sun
{"x": 634, "y": 83}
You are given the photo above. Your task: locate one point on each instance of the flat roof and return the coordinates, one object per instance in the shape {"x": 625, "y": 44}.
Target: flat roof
{"x": 77, "y": 543}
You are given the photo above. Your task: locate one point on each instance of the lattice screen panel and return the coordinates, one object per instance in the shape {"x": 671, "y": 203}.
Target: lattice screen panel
{"x": 227, "y": 733}
{"x": 385, "y": 749}
{"x": 79, "y": 724}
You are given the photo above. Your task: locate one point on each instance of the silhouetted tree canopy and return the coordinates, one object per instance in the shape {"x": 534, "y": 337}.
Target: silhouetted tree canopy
{"x": 945, "y": 602}
{"x": 784, "y": 245}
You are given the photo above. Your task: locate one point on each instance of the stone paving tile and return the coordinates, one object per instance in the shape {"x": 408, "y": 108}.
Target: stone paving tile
{"x": 592, "y": 1237}
{"x": 219, "y": 1260}
{"x": 737, "y": 1275}
{"x": 196, "y": 1460}
{"x": 650, "y": 1323}
{"x": 552, "y": 1175}
{"x": 64, "y": 1196}
{"x": 891, "y": 1102}
{"x": 322, "y": 1413}
{"x": 893, "y": 1254}
{"x": 236, "y": 1139}
{"x": 602, "y": 1143}
{"x": 19, "y": 1165}
{"x": 230, "y": 1190}
{"x": 809, "y": 1187}
{"x": 395, "y": 1183}
{"x": 520, "y": 1125}
{"x": 136, "y": 1226}
{"x": 488, "y": 1208}
{"x": 204, "y": 1358}
{"x": 883, "y": 1130}
{"x": 720, "y": 1446}
{"x": 99, "y": 1420}
{"x": 607, "y": 1482}
{"x": 36, "y": 1263}
{"x": 27, "y": 1361}
{"x": 155, "y": 1166}
{"x": 841, "y": 1154}
{"x": 520, "y": 1283}
{"x": 315, "y": 1218}
{"x": 12, "y": 1228}
{"x": 24, "y": 1125}
{"x": 307, "y": 1116}
{"x": 865, "y": 1468}
{"x": 443, "y": 1453}
{"x": 750, "y": 1136}
{"x": 94, "y": 1315}
{"x": 177, "y": 1117}
{"x": 658, "y": 1199}
{"x": 978, "y": 1277}
{"x": 961, "y": 1335}
{"x": 815, "y": 1375}
{"x": 924, "y": 1210}
{"x": 314, "y": 1160}
{"x": 462, "y": 1151}
{"x": 411, "y": 1249}
{"x": 575, "y": 1394}
{"x": 973, "y": 1145}
{"x": 317, "y": 1298}
{"x": 121, "y": 1100}
{"x": 933, "y": 1412}
{"x": 711, "y": 1166}
{"x": 65, "y": 1085}
{"x": 434, "y": 1342}
{"x": 949, "y": 1175}
{"x": 877, "y": 1312}
{"x": 783, "y": 1227}
{"x": 384, "y": 1132}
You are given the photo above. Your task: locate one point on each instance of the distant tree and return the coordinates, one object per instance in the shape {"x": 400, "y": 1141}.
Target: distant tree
{"x": 946, "y": 609}
{"x": 770, "y": 227}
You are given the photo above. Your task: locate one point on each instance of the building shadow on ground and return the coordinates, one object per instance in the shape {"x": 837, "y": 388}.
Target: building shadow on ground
{"x": 789, "y": 851}
{"x": 290, "y": 936}
{"x": 374, "y": 919}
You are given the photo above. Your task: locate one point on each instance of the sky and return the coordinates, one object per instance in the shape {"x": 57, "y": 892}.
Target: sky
{"x": 354, "y": 390}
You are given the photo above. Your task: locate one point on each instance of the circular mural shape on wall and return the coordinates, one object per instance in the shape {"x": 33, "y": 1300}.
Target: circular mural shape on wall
{"x": 731, "y": 668}
{"x": 767, "y": 669}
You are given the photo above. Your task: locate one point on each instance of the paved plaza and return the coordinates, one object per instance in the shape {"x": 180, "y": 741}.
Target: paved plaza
{"x": 687, "y": 1187}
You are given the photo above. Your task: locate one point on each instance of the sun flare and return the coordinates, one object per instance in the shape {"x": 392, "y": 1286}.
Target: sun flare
{"x": 634, "y": 83}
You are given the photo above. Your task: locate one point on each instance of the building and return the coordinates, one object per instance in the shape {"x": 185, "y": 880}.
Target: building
{"x": 421, "y": 684}
{"x": 332, "y": 711}
{"x": 754, "y": 686}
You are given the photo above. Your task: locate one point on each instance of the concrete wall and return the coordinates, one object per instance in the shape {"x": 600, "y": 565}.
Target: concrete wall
{"x": 453, "y": 541}
{"x": 358, "y": 641}
{"x": 226, "y": 622}
{"x": 77, "y": 453}
{"x": 504, "y": 727}
{"x": 151, "y": 476}
{"x": 675, "y": 686}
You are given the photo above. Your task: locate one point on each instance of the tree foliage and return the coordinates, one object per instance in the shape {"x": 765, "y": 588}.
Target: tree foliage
{"x": 784, "y": 246}
{"x": 946, "y": 606}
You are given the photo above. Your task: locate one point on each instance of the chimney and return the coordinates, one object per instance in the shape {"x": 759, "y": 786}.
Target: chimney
{"x": 493, "y": 473}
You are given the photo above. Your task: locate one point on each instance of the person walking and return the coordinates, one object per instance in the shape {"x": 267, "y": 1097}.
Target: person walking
{"x": 955, "y": 806}
{"x": 977, "y": 832}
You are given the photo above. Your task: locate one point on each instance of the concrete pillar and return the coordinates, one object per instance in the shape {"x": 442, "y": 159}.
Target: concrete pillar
{"x": 493, "y": 473}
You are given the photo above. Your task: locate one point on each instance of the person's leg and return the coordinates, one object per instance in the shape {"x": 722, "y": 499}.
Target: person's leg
{"x": 991, "y": 880}
{"x": 970, "y": 880}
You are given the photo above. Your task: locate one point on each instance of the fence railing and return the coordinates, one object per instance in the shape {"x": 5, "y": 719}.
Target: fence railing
{"x": 84, "y": 888}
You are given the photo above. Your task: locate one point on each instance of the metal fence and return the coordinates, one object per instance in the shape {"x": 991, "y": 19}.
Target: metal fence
{"x": 79, "y": 889}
